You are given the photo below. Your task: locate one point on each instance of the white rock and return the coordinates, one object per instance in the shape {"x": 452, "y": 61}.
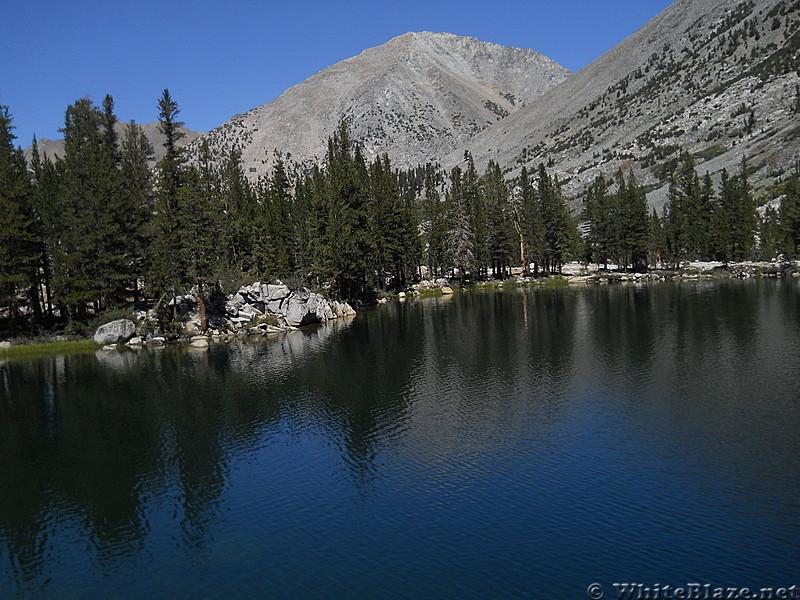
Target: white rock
{"x": 120, "y": 330}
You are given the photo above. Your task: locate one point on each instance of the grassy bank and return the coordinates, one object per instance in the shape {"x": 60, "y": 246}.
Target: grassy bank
{"x": 48, "y": 348}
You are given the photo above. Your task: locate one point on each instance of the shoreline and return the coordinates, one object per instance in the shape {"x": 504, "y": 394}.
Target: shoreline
{"x": 575, "y": 275}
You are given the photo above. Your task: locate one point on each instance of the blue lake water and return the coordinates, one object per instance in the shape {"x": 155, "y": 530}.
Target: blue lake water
{"x": 510, "y": 444}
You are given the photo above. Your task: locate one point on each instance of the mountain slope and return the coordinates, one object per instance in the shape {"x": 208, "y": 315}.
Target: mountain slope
{"x": 416, "y": 97}
{"x": 690, "y": 78}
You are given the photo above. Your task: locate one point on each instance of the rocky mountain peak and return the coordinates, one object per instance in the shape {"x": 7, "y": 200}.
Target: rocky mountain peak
{"x": 417, "y": 97}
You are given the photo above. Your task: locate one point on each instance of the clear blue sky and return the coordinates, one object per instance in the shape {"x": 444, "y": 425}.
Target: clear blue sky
{"x": 222, "y": 58}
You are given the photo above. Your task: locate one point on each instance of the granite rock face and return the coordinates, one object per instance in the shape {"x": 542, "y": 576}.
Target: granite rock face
{"x": 690, "y": 78}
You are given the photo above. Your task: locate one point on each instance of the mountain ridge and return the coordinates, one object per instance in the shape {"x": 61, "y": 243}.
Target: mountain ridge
{"x": 675, "y": 83}
{"x": 415, "y": 97}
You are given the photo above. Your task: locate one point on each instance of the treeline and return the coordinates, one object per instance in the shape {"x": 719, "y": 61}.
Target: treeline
{"x": 98, "y": 228}
{"x": 700, "y": 221}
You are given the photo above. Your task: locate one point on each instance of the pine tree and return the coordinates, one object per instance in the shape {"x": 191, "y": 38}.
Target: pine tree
{"x": 682, "y": 211}
{"x": 137, "y": 203}
{"x": 240, "y": 209}
{"x": 790, "y": 214}
{"x": 599, "y": 214}
{"x": 657, "y": 241}
{"x": 19, "y": 242}
{"x": 388, "y": 225}
{"x": 341, "y": 193}
{"x": 46, "y": 191}
{"x": 195, "y": 200}
{"x": 434, "y": 217}
{"x": 279, "y": 200}
{"x": 475, "y": 205}
{"x": 460, "y": 246}
{"x": 499, "y": 224}
{"x": 770, "y": 235}
{"x": 169, "y": 260}
{"x": 743, "y": 216}
{"x": 86, "y": 257}
{"x": 632, "y": 223}
{"x": 532, "y": 225}
{"x": 556, "y": 222}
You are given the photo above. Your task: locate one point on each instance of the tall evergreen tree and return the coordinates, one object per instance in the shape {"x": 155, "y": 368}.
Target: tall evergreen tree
{"x": 280, "y": 209}
{"x": 475, "y": 205}
{"x": 87, "y": 255}
{"x": 683, "y": 220}
{"x": 461, "y": 248}
{"x": 631, "y": 223}
{"x": 169, "y": 260}
{"x": 532, "y": 226}
{"x": 46, "y": 191}
{"x": 600, "y": 215}
{"x": 556, "y": 222}
{"x": 388, "y": 225}
{"x": 341, "y": 193}
{"x": 790, "y": 214}
{"x": 19, "y": 242}
{"x": 499, "y": 223}
{"x": 434, "y": 218}
{"x": 240, "y": 210}
{"x": 136, "y": 203}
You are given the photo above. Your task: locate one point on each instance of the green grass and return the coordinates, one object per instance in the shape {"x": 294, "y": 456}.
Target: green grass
{"x": 431, "y": 292}
{"x": 556, "y": 282}
{"x": 48, "y": 348}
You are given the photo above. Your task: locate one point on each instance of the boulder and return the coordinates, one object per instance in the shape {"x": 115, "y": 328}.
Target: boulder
{"x": 248, "y": 310}
{"x": 297, "y": 312}
{"x": 313, "y": 302}
{"x": 114, "y": 332}
{"x": 446, "y": 290}
{"x": 237, "y": 300}
{"x": 202, "y": 343}
{"x": 276, "y": 292}
{"x": 135, "y": 341}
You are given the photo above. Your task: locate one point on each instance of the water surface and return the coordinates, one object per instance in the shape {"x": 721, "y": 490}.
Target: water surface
{"x": 514, "y": 444}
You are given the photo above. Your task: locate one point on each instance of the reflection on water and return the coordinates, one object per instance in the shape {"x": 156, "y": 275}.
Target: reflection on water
{"x": 515, "y": 443}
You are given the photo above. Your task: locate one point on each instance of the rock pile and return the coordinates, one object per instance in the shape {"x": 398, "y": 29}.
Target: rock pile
{"x": 294, "y": 308}
{"x": 258, "y": 308}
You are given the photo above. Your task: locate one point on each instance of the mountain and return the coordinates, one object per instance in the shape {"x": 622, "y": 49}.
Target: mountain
{"x": 55, "y": 148}
{"x": 417, "y": 97}
{"x": 716, "y": 77}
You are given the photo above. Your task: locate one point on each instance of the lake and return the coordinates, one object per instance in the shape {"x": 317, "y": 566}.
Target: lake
{"x": 522, "y": 443}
